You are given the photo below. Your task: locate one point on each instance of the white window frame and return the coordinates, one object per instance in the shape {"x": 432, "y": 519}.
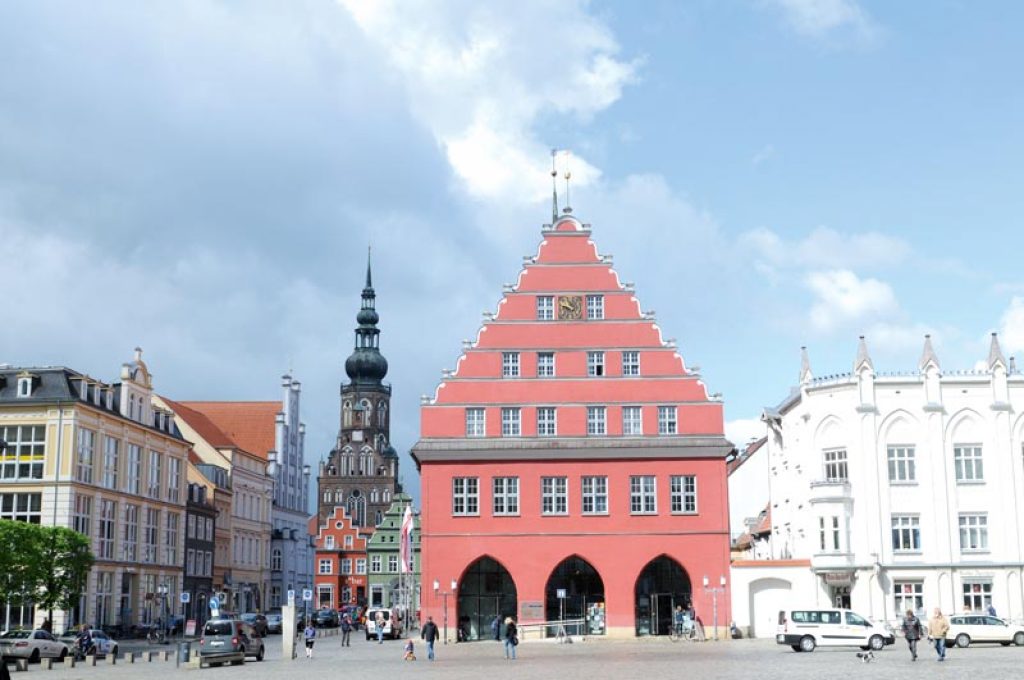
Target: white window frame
{"x": 969, "y": 463}
{"x": 906, "y": 533}
{"x": 476, "y": 422}
{"x": 111, "y": 451}
{"x": 361, "y": 565}
{"x": 631, "y": 362}
{"x": 594, "y": 495}
{"x": 643, "y": 495}
{"x": 597, "y": 421}
{"x": 547, "y": 421}
{"x": 545, "y": 364}
{"x": 554, "y": 496}
{"x": 325, "y": 566}
{"x": 173, "y": 479}
{"x": 392, "y": 564}
{"x": 683, "y": 494}
{"x": 907, "y": 595}
{"x": 346, "y": 566}
{"x": 25, "y": 452}
{"x": 376, "y": 564}
{"x": 545, "y": 307}
{"x": 86, "y": 455}
{"x": 133, "y": 471}
{"x": 830, "y": 534}
{"x": 595, "y": 364}
{"x": 835, "y": 466}
{"x": 505, "y": 496}
{"x": 632, "y": 421}
{"x": 973, "y": 532}
{"x": 595, "y": 307}
{"x": 511, "y": 421}
{"x": 977, "y": 594}
{"x": 465, "y": 496}
{"x": 901, "y": 464}
{"x": 510, "y": 364}
{"x": 668, "y": 419}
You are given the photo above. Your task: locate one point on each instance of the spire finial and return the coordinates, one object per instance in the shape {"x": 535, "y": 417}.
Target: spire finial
{"x": 568, "y": 175}
{"x": 554, "y": 188}
{"x": 995, "y": 353}
{"x": 928, "y": 356}
{"x": 369, "y": 278}
{"x": 805, "y": 367}
{"x": 863, "y": 358}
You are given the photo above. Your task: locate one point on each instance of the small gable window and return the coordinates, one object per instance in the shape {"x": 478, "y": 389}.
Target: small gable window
{"x": 25, "y": 387}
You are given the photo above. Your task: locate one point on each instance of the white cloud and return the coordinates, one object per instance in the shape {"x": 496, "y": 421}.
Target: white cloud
{"x": 823, "y": 248}
{"x": 1011, "y": 327}
{"x": 842, "y": 298}
{"x": 764, "y": 154}
{"x": 478, "y": 75}
{"x": 742, "y": 430}
{"x": 819, "y": 18}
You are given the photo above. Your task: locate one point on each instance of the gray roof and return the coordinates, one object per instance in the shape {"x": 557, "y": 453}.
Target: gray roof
{"x": 54, "y": 383}
{"x": 583, "y": 448}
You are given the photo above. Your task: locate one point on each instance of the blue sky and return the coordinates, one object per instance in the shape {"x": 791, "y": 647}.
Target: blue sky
{"x": 202, "y": 179}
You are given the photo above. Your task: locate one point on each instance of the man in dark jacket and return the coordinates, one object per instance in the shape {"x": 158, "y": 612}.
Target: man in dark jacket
{"x": 429, "y": 635}
{"x": 911, "y": 626}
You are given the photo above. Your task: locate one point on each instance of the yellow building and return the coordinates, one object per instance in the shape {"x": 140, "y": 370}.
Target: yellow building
{"x": 99, "y": 458}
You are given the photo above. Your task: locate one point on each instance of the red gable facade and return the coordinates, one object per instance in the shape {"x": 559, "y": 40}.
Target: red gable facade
{"x": 339, "y": 565}
{"x": 571, "y": 466}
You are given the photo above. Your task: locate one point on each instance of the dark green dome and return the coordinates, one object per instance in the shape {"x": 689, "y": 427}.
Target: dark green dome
{"x": 366, "y": 365}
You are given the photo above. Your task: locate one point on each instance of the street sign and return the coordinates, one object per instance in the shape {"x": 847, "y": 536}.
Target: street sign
{"x": 214, "y": 602}
{"x": 185, "y": 597}
{"x": 291, "y": 598}
{"x": 307, "y": 595}
{"x": 561, "y": 593}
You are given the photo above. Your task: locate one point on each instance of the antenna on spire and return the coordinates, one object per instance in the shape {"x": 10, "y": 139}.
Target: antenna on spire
{"x": 554, "y": 188}
{"x": 568, "y": 175}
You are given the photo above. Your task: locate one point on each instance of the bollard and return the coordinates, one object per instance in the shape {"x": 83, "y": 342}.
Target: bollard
{"x": 69, "y": 661}
{"x": 162, "y": 656}
{"x": 90, "y": 660}
{"x": 21, "y": 664}
{"x": 112, "y": 658}
{"x": 46, "y": 664}
{"x": 147, "y": 656}
{"x": 129, "y": 657}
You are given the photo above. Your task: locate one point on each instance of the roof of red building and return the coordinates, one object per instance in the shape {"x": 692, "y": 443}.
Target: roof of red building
{"x": 764, "y": 522}
{"x": 203, "y": 426}
{"x": 250, "y": 425}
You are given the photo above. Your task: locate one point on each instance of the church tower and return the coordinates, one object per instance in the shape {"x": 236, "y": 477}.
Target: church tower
{"x": 361, "y": 472}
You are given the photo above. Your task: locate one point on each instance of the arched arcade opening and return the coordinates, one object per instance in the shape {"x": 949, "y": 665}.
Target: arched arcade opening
{"x": 575, "y": 592}
{"x": 486, "y": 590}
{"x": 661, "y": 587}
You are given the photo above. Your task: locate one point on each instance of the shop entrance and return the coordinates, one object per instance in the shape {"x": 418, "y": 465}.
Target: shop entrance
{"x": 485, "y": 591}
{"x": 661, "y": 587}
{"x": 583, "y": 588}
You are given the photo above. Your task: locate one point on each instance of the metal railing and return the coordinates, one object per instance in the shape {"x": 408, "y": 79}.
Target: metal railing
{"x": 553, "y": 629}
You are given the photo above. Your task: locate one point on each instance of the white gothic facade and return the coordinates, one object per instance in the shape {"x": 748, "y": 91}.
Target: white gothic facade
{"x": 895, "y": 491}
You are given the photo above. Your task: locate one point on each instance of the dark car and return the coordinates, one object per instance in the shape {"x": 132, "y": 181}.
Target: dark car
{"x": 257, "y": 621}
{"x": 229, "y": 640}
{"x": 275, "y": 623}
{"x": 326, "y": 618}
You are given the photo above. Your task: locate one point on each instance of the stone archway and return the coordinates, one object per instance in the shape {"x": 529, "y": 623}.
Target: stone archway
{"x": 583, "y": 588}
{"x": 486, "y": 590}
{"x": 661, "y": 586}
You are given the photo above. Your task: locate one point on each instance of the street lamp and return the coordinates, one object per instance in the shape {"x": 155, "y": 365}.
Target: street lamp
{"x": 714, "y": 590}
{"x": 162, "y": 590}
{"x": 444, "y": 595}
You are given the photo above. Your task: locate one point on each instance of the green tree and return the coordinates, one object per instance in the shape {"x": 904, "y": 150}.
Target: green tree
{"x": 67, "y": 559}
{"x": 21, "y": 564}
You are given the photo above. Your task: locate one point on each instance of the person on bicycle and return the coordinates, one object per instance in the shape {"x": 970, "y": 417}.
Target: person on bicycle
{"x": 83, "y": 642}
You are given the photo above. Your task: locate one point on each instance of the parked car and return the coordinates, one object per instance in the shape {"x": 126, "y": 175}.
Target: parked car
{"x": 805, "y": 629}
{"x": 32, "y": 645}
{"x": 970, "y": 628}
{"x": 392, "y": 625}
{"x": 104, "y": 644}
{"x": 274, "y": 623}
{"x": 257, "y": 621}
{"x": 229, "y": 640}
{"x": 326, "y": 618}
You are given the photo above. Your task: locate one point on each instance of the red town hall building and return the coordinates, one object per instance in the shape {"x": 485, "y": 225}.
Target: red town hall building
{"x": 572, "y": 454}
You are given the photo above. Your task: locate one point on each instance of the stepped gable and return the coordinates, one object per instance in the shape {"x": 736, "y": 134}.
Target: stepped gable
{"x": 567, "y": 268}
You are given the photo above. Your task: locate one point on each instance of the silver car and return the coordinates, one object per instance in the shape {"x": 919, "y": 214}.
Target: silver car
{"x": 229, "y": 640}
{"x": 32, "y": 645}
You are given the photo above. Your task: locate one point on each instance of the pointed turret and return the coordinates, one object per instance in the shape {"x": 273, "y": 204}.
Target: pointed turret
{"x": 863, "y": 358}
{"x": 805, "y": 367}
{"x": 367, "y": 365}
{"x": 928, "y": 357}
{"x": 995, "y": 354}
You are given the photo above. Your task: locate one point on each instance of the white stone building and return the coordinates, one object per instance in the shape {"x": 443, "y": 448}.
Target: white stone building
{"x": 894, "y": 491}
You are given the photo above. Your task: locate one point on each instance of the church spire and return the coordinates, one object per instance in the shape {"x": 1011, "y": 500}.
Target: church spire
{"x": 367, "y": 365}
{"x": 369, "y": 277}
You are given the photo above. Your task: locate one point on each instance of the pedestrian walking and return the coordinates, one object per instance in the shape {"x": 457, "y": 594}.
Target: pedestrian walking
{"x": 496, "y": 627}
{"x": 378, "y": 622}
{"x": 310, "y": 635}
{"x": 912, "y": 628}
{"x": 511, "y": 638}
{"x": 991, "y": 609}
{"x": 429, "y": 635}
{"x": 346, "y": 631}
{"x": 938, "y": 626}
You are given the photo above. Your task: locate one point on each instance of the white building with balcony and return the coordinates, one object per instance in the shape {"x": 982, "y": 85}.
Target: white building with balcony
{"x": 894, "y": 491}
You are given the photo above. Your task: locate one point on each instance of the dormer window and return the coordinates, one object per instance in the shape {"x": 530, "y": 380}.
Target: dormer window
{"x": 24, "y": 387}
{"x": 109, "y": 399}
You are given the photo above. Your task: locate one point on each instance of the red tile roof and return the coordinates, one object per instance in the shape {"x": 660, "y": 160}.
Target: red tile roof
{"x": 203, "y": 426}
{"x": 249, "y": 424}
{"x": 744, "y": 456}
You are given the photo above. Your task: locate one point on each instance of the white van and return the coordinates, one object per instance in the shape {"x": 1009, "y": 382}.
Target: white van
{"x": 392, "y": 627}
{"x": 805, "y": 629}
